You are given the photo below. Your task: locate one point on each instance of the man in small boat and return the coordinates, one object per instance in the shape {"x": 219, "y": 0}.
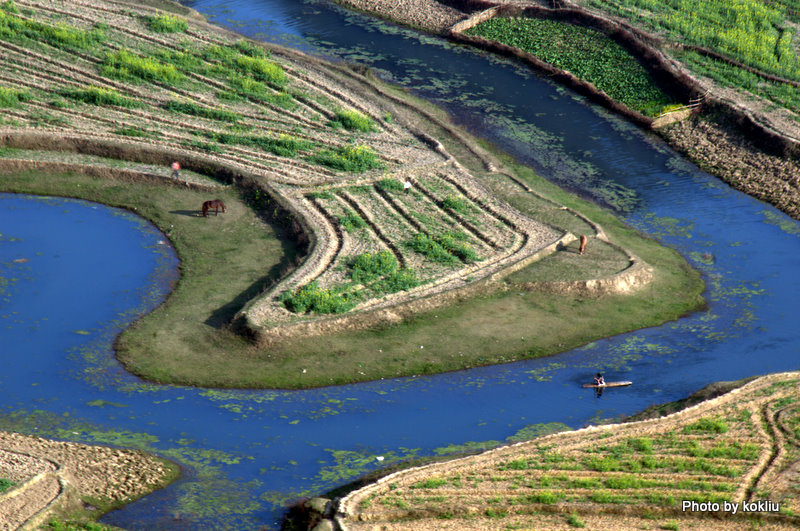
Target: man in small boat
{"x": 599, "y": 380}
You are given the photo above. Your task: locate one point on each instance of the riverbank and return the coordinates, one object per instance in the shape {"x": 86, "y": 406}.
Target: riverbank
{"x": 740, "y": 138}
{"x": 733, "y": 448}
{"x": 63, "y": 479}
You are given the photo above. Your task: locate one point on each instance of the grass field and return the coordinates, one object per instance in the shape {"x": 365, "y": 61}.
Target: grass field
{"x": 739, "y": 449}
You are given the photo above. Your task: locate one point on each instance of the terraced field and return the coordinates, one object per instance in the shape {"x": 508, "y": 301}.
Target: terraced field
{"x": 741, "y": 448}
{"x": 98, "y": 78}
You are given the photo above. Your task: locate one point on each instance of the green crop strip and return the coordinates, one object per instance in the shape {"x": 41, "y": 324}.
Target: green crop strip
{"x": 127, "y": 66}
{"x": 193, "y": 109}
{"x": 445, "y": 249}
{"x": 99, "y": 96}
{"x": 752, "y": 31}
{"x": 352, "y": 121}
{"x": 60, "y": 35}
{"x": 355, "y": 159}
{"x": 350, "y": 221}
{"x": 282, "y": 146}
{"x": 588, "y": 54}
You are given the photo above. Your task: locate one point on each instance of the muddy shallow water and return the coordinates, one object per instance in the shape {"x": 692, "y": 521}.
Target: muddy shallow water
{"x": 249, "y": 452}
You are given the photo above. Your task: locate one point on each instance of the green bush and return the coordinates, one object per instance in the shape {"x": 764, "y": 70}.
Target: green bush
{"x": 320, "y": 194}
{"x": 166, "y": 23}
{"x": 10, "y": 97}
{"x": 256, "y": 90}
{"x": 127, "y": 66}
{"x": 311, "y": 298}
{"x": 99, "y": 96}
{"x": 251, "y": 48}
{"x": 574, "y": 521}
{"x": 132, "y": 131}
{"x": 369, "y": 266}
{"x": 356, "y": 159}
{"x": 193, "y": 109}
{"x": 352, "y": 121}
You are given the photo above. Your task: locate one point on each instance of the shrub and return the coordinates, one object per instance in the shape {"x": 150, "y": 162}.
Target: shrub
{"x": 321, "y": 194}
{"x": 353, "y": 159}
{"x": 575, "y": 521}
{"x": 454, "y": 203}
{"x": 352, "y": 121}
{"x": 283, "y": 146}
{"x": 545, "y": 496}
{"x": 166, "y": 23}
{"x": 132, "y": 131}
{"x": 251, "y": 48}
{"x": 369, "y": 266}
{"x": 256, "y": 90}
{"x": 311, "y": 298}
{"x": 125, "y": 65}
{"x": 99, "y": 96}
{"x": 389, "y": 185}
{"x": 10, "y": 97}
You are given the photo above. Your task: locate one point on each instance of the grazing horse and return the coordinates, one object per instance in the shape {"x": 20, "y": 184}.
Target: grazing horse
{"x": 584, "y": 240}
{"x": 216, "y": 204}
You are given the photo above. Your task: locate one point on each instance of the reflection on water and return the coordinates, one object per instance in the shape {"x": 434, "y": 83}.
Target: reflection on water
{"x": 249, "y": 452}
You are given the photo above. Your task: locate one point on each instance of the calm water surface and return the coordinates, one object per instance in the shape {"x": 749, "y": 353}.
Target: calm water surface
{"x": 91, "y": 270}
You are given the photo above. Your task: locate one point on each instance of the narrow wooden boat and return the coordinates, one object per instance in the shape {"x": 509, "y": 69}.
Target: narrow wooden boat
{"x": 609, "y": 384}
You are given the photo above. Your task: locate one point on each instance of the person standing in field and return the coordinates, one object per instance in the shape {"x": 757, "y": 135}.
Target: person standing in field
{"x": 406, "y": 186}
{"x": 176, "y": 170}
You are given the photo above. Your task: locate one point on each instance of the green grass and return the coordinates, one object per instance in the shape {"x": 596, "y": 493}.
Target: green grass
{"x": 99, "y": 96}
{"x": 427, "y": 246}
{"x": 283, "y": 145}
{"x": 261, "y": 69}
{"x": 370, "y": 266}
{"x": 166, "y": 23}
{"x": 127, "y": 66}
{"x": 5, "y": 484}
{"x": 588, "y": 54}
{"x": 389, "y": 185}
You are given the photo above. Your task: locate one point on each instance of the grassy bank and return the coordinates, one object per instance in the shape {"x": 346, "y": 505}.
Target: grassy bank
{"x": 225, "y": 261}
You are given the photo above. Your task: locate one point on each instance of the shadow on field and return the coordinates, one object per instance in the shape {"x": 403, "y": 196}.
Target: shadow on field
{"x": 190, "y": 213}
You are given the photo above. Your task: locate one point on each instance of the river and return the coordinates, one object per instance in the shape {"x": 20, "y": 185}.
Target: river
{"x": 247, "y": 453}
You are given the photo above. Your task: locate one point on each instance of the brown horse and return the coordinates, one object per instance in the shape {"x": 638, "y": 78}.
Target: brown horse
{"x": 584, "y": 240}
{"x": 216, "y": 204}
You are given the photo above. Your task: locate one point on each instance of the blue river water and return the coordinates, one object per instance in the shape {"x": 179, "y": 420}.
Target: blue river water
{"x": 76, "y": 273}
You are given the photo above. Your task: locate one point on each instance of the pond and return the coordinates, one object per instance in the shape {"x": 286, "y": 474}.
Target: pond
{"x": 91, "y": 270}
